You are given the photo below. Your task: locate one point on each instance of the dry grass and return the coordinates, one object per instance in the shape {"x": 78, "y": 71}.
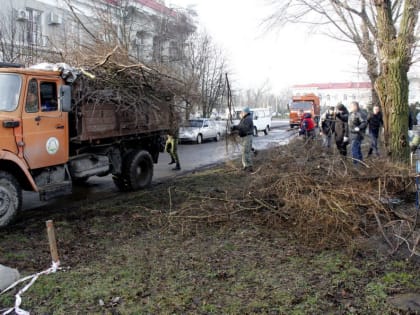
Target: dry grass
{"x": 324, "y": 200}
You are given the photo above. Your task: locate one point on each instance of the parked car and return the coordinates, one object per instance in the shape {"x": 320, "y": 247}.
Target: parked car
{"x": 260, "y": 117}
{"x": 198, "y": 130}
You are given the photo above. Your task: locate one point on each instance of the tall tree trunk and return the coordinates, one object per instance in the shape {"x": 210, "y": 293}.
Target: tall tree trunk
{"x": 392, "y": 88}
{"x": 395, "y": 52}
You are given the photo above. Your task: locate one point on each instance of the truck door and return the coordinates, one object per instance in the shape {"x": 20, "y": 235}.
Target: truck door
{"x": 45, "y": 129}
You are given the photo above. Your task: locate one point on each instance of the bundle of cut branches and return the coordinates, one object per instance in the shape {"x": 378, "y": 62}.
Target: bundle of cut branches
{"x": 139, "y": 96}
{"x": 325, "y": 197}
{"x": 320, "y": 198}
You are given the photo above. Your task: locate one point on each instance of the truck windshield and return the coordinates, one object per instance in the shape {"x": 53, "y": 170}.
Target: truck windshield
{"x": 10, "y": 85}
{"x": 195, "y": 123}
{"x": 301, "y": 105}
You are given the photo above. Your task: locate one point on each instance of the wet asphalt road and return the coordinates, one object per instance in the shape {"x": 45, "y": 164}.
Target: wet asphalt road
{"x": 192, "y": 156}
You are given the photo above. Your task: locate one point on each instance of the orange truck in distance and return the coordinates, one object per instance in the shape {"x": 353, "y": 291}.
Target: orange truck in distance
{"x": 48, "y": 142}
{"x": 308, "y": 103}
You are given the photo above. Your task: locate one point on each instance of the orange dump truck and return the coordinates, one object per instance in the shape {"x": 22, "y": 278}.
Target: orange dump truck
{"x": 308, "y": 103}
{"x": 47, "y": 142}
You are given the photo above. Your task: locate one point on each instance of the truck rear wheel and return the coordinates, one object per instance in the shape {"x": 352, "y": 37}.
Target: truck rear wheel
{"x": 10, "y": 198}
{"x": 137, "y": 172}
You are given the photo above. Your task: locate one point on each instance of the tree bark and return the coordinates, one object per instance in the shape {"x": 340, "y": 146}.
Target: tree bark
{"x": 392, "y": 89}
{"x": 395, "y": 53}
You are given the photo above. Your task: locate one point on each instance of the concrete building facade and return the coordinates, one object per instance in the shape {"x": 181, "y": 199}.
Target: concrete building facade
{"x": 333, "y": 93}
{"x": 32, "y": 30}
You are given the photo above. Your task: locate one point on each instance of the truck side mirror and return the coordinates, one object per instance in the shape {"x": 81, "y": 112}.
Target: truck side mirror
{"x": 65, "y": 98}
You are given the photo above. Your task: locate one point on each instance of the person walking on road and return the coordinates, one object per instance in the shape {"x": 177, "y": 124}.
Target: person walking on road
{"x": 171, "y": 147}
{"x": 357, "y": 126}
{"x": 245, "y": 130}
{"x": 327, "y": 127}
{"x": 375, "y": 122}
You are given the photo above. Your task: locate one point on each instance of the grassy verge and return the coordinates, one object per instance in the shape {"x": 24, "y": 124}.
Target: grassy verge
{"x": 145, "y": 253}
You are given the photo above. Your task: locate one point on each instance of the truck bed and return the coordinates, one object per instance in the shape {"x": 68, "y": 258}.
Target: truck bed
{"x": 100, "y": 121}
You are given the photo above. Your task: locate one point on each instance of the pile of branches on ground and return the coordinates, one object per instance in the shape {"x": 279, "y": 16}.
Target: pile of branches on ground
{"x": 319, "y": 197}
{"x": 329, "y": 200}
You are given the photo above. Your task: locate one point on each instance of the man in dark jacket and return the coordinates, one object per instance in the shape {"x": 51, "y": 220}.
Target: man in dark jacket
{"x": 357, "y": 127}
{"x": 375, "y": 122}
{"x": 341, "y": 129}
{"x": 245, "y": 130}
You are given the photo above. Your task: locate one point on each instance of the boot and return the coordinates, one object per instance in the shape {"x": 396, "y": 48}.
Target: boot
{"x": 172, "y": 161}
{"x": 370, "y": 152}
{"x": 177, "y": 167}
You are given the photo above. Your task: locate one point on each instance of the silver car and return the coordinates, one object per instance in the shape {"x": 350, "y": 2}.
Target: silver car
{"x": 198, "y": 130}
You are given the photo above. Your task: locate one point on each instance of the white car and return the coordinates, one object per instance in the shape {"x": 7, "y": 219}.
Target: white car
{"x": 261, "y": 119}
{"x": 198, "y": 130}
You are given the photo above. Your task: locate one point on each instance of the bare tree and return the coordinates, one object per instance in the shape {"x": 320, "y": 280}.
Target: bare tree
{"x": 20, "y": 40}
{"x": 203, "y": 73}
{"x": 149, "y": 38}
{"x": 384, "y": 33}
{"x": 257, "y": 97}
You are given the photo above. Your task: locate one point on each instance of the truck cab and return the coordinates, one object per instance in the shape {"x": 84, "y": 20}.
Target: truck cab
{"x": 300, "y": 105}
{"x": 34, "y": 134}
{"x": 47, "y": 144}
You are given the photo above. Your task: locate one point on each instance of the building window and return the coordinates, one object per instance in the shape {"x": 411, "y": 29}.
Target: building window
{"x": 174, "y": 51}
{"x": 33, "y": 33}
{"x": 157, "y": 49}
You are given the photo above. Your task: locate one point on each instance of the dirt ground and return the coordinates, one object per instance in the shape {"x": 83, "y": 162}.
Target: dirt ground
{"x": 162, "y": 251}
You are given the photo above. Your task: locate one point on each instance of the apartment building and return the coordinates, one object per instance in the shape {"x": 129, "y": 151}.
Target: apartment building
{"x": 31, "y": 31}
{"x": 333, "y": 93}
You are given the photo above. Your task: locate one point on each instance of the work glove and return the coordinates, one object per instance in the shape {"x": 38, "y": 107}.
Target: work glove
{"x": 357, "y": 129}
{"x": 345, "y": 139}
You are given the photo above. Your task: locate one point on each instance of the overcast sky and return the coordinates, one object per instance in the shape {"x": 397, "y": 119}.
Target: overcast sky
{"x": 293, "y": 55}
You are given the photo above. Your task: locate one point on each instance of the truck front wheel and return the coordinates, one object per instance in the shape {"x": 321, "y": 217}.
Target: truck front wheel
{"x": 137, "y": 172}
{"x": 10, "y": 198}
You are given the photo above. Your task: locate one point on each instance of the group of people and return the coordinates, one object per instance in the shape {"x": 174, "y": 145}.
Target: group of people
{"x": 349, "y": 127}
{"x": 346, "y": 127}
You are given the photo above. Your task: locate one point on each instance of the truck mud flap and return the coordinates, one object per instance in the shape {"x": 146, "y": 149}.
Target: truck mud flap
{"x": 52, "y": 191}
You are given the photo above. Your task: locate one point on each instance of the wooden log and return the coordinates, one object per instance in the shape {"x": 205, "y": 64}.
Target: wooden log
{"x": 52, "y": 241}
